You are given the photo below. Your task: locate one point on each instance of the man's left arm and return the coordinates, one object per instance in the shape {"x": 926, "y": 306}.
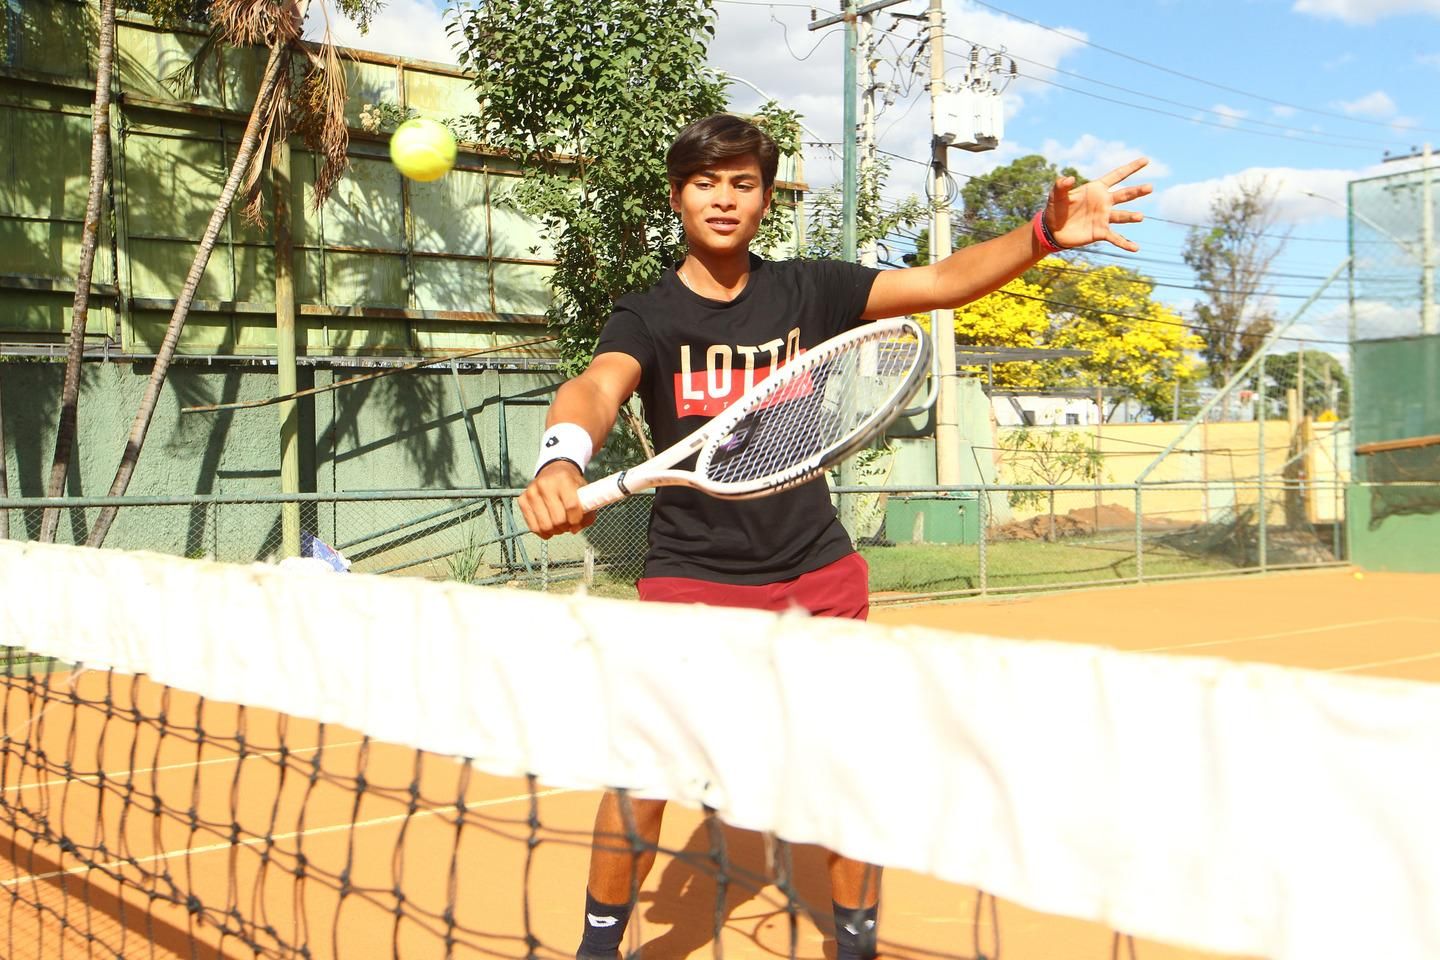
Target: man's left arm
{"x": 1075, "y": 216}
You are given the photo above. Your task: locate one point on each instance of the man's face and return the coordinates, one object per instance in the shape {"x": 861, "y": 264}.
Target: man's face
{"x": 721, "y": 207}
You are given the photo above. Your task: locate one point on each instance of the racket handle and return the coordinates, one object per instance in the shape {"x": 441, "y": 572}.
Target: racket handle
{"x": 603, "y": 492}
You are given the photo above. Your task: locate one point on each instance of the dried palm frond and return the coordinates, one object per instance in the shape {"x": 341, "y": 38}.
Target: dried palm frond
{"x": 273, "y": 127}
{"x": 258, "y": 22}
{"x": 188, "y": 76}
{"x": 320, "y": 116}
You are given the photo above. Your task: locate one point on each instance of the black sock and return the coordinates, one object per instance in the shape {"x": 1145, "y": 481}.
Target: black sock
{"x": 854, "y": 932}
{"x": 604, "y": 927}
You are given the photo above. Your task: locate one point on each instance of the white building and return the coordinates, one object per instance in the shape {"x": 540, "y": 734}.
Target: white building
{"x": 1044, "y": 411}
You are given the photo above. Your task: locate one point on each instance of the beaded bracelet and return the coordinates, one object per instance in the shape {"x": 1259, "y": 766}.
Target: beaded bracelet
{"x": 1048, "y": 243}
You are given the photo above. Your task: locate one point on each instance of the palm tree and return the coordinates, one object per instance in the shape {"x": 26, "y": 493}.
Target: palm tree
{"x": 80, "y": 310}
{"x": 319, "y": 104}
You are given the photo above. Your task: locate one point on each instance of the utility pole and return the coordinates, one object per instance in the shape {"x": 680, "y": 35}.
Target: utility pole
{"x": 850, "y": 204}
{"x": 850, "y": 15}
{"x": 870, "y": 252}
{"x": 942, "y": 322}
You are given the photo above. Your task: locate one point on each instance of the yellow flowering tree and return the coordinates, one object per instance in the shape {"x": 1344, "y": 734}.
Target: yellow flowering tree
{"x": 1019, "y": 319}
{"x": 1135, "y": 344}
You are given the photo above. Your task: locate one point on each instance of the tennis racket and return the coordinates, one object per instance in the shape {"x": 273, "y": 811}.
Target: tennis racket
{"x": 792, "y": 426}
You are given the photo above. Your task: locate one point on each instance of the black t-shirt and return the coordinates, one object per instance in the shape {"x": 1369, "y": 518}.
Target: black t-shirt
{"x": 699, "y": 355}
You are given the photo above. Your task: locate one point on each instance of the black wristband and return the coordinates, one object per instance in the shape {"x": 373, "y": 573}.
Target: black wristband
{"x": 1050, "y": 237}
{"x": 561, "y": 460}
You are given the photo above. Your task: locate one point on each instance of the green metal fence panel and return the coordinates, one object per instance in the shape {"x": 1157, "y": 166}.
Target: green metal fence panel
{"x": 368, "y": 84}
{"x": 513, "y": 234}
{"x": 1397, "y": 389}
{"x": 450, "y": 215}
{"x": 50, "y": 37}
{"x": 436, "y": 93}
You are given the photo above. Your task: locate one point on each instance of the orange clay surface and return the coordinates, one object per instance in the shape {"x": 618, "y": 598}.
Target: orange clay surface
{"x": 1383, "y": 624}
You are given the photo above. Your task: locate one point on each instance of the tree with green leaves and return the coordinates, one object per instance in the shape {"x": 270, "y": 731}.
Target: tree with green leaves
{"x": 825, "y": 226}
{"x": 996, "y": 202}
{"x": 1231, "y": 257}
{"x": 1327, "y": 386}
{"x": 309, "y": 101}
{"x": 1134, "y": 344}
{"x": 1006, "y": 197}
{"x": 1040, "y": 457}
{"x": 587, "y": 96}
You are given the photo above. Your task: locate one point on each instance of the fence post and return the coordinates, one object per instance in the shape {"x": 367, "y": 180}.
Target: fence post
{"x": 1262, "y": 507}
{"x": 1139, "y": 535}
{"x": 1338, "y": 507}
{"x": 984, "y": 500}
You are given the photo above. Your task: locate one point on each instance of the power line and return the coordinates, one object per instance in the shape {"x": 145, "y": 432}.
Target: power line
{"x": 1166, "y": 323}
{"x": 1336, "y": 145}
{"x": 1175, "y": 103}
{"x": 1153, "y": 282}
{"x": 1192, "y": 77}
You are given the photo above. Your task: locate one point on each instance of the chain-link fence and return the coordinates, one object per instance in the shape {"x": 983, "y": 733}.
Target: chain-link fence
{"x": 955, "y": 541}
{"x": 1392, "y": 243}
{"x": 919, "y": 541}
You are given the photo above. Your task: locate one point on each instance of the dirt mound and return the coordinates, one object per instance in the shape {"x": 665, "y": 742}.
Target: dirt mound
{"x": 1080, "y": 522}
{"x": 1038, "y": 528}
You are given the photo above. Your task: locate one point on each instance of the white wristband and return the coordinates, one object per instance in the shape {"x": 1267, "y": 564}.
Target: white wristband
{"x": 565, "y": 441}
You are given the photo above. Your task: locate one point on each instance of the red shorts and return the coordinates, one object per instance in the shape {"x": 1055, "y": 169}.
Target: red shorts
{"x": 839, "y": 589}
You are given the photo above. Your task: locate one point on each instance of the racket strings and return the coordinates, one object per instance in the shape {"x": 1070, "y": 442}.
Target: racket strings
{"x": 817, "y": 409}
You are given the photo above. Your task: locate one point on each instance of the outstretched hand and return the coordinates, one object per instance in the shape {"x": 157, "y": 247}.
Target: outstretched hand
{"x": 1082, "y": 215}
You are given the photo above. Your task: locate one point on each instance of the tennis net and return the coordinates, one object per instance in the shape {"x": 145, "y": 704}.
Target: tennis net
{"x": 253, "y": 761}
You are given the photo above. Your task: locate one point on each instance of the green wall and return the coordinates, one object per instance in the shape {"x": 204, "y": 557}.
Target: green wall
{"x": 1394, "y": 519}
{"x": 406, "y": 431}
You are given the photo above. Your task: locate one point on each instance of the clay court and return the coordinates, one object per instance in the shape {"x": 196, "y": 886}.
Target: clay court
{"x": 1379, "y": 624}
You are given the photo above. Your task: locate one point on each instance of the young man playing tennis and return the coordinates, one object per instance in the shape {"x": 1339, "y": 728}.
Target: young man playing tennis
{"x": 716, "y": 323}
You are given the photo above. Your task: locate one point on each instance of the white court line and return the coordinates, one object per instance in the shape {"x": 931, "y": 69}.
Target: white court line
{"x": 1287, "y": 633}
{"x": 212, "y": 848}
{"x": 1384, "y": 663}
{"x": 175, "y": 766}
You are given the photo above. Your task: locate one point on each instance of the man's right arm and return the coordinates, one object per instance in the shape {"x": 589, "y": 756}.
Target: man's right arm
{"x": 591, "y": 401}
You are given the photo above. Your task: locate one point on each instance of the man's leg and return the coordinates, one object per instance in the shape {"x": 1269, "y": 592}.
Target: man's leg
{"x": 842, "y": 589}
{"x": 855, "y": 890}
{"x": 617, "y": 869}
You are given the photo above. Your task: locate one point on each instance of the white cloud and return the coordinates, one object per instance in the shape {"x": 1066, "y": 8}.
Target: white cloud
{"x": 771, "y": 48}
{"x": 1282, "y": 112}
{"x": 1377, "y": 104}
{"x": 1093, "y": 156}
{"x": 1365, "y": 11}
{"x": 1301, "y": 196}
{"x": 414, "y": 29}
{"x": 1428, "y": 60}
{"x": 1229, "y": 116}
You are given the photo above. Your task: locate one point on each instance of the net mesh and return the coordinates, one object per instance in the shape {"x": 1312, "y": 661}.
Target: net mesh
{"x": 256, "y": 761}
{"x": 1388, "y": 241}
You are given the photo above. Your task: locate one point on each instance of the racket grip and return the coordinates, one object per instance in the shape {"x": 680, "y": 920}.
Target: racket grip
{"x": 602, "y": 492}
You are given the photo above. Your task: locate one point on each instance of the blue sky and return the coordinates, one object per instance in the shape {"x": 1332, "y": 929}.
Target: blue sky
{"x": 1307, "y": 94}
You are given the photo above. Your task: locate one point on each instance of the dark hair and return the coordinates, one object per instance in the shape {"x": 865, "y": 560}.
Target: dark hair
{"x": 717, "y": 138}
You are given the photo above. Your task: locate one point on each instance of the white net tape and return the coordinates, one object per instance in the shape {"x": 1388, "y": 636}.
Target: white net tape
{"x": 1232, "y": 807}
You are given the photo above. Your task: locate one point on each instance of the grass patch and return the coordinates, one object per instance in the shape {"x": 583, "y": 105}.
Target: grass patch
{"x": 934, "y": 567}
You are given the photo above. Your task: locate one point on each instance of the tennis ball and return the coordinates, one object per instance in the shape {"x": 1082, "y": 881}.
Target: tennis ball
{"x": 1359, "y": 575}
{"x": 422, "y": 149}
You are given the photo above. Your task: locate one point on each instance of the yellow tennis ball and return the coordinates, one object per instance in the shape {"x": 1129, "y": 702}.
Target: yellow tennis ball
{"x": 423, "y": 149}
{"x": 1359, "y": 575}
